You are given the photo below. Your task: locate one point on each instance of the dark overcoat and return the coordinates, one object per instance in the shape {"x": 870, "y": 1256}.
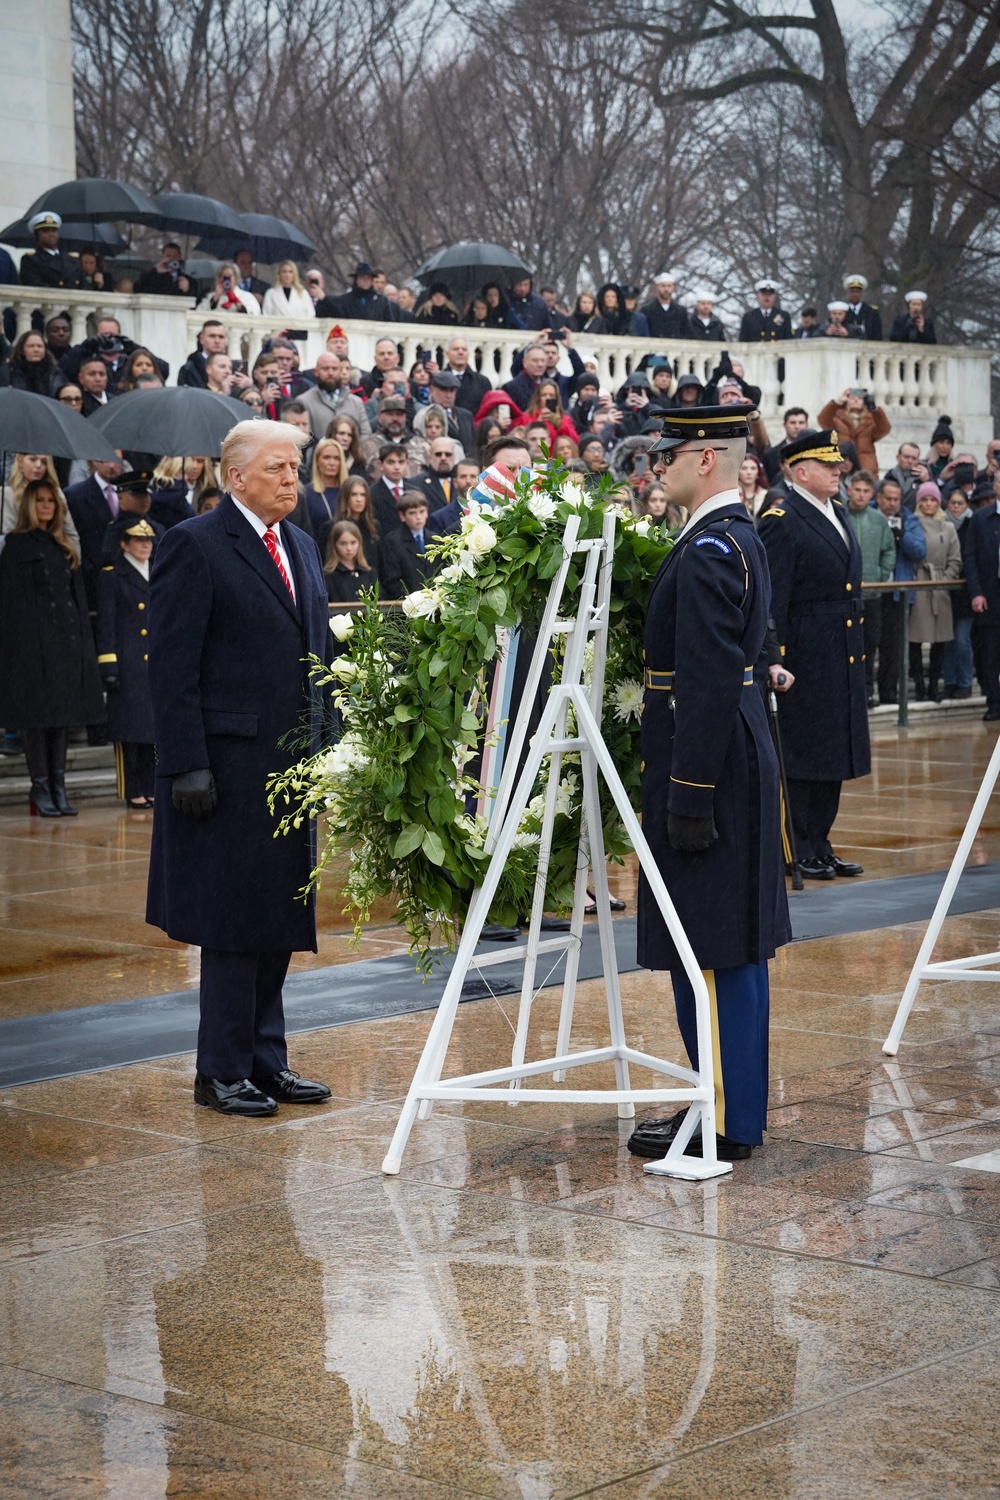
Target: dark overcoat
{"x": 123, "y": 651}
{"x": 707, "y": 750}
{"x": 230, "y": 692}
{"x": 757, "y": 328}
{"x": 48, "y": 665}
{"x": 818, "y": 613}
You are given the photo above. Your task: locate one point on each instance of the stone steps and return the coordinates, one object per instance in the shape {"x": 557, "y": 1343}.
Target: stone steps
{"x": 90, "y": 772}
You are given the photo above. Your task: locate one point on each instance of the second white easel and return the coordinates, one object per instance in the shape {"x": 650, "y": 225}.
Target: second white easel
{"x": 553, "y": 739}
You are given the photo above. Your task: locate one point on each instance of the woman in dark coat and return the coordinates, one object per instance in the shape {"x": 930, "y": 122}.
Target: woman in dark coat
{"x": 614, "y": 315}
{"x": 31, "y": 367}
{"x": 437, "y": 306}
{"x": 123, "y": 655}
{"x": 585, "y": 318}
{"x": 49, "y": 679}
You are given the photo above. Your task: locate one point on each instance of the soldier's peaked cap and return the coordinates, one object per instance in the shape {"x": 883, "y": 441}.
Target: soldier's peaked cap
{"x": 822, "y": 446}
{"x": 702, "y": 424}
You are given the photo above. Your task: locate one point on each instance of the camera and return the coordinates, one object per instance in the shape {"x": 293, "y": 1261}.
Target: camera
{"x": 107, "y": 343}
{"x": 965, "y": 473}
{"x": 174, "y": 265}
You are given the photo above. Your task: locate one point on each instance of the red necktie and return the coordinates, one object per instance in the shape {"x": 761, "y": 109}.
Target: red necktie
{"x": 271, "y": 543}
{"x": 397, "y": 490}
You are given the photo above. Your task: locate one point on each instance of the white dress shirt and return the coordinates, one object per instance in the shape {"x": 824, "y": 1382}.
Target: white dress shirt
{"x": 825, "y": 508}
{"x": 260, "y": 527}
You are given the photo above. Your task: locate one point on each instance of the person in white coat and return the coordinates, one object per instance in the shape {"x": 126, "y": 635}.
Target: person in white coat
{"x": 288, "y": 298}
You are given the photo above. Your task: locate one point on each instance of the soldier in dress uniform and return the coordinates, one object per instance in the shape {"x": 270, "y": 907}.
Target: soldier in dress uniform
{"x": 861, "y": 314}
{"x": 123, "y": 656}
{"x": 815, "y": 565}
{"x": 766, "y": 322}
{"x": 710, "y": 798}
{"x": 47, "y": 265}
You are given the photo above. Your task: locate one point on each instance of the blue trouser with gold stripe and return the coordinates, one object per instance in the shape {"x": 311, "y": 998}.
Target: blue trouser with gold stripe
{"x": 739, "y": 1007}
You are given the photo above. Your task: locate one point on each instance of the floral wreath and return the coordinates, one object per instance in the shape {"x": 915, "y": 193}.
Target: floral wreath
{"x": 411, "y": 690}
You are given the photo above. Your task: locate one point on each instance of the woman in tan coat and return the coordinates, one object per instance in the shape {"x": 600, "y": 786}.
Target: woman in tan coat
{"x": 930, "y": 614}
{"x": 858, "y": 423}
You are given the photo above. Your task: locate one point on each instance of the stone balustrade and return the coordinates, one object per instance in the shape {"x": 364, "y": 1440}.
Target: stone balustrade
{"x": 913, "y": 383}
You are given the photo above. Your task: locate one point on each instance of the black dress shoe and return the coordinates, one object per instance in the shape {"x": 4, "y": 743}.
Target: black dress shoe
{"x": 991, "y": 713}
{"x": 815, "y": 869}
{"x": 652, "y": 1139}
{"x": 844, "y": 866}
{"x": 239, "y": 1098}
{"x": 289, "y": 1088}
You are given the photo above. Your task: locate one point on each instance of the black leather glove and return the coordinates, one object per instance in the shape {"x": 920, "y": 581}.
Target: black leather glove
{"x": 690, "y": 834}
{"x": 111, "y": 683}
{"x": 194, "y": 793}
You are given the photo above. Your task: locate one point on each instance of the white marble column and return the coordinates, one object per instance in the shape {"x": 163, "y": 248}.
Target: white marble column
{"x": 37, "y": 144}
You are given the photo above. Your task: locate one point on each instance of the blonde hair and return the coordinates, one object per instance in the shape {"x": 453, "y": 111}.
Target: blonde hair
{"x": 296, "y": 280}
{"x": 243, "y": 442}
{"x": 27, "y": 516}
{"x": 18, "y": 482}
{"x": 169, "y": 469}
{"x": 323, "y": 446}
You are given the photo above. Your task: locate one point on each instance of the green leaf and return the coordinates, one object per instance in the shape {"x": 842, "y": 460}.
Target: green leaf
{"x": 433, "y": 847}
{"x": 496, "y": 599}
{"x": 411, "y": 838}
{"x": 403, "y": 713}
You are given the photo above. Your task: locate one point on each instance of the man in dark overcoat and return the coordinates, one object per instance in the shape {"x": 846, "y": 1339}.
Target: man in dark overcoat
{"x": 48, "y": 265}
{"x": 818, "y": 610}
{"x": 710, "y": 801}
{"x": 237, "y": 603}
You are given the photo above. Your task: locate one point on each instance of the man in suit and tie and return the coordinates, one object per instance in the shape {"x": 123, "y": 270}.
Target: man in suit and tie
{"x": 237, "y": 605}
{"x": 403, "y": 563}
{"x": 438, "y": 480}
{"x": 981, "y": 551}
{"x": 387, "y": 491}
{"x": 93, "y": 504}
{"x": 472, "y": 386}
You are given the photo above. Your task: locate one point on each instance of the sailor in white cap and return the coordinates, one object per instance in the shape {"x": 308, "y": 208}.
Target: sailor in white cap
{"x": 765, "y": 323}
{"x": 837, "y": 325}
{"x": 861, "y": 314}
{"x": 702, "y": 322}
{"x": 48, "y": 265}
{"x": 665, "y": 316}
{"x": 913, "y": 326}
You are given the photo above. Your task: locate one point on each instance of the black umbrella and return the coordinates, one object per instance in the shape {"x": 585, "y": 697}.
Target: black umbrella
{"x": 72, "y": 236}
{"x": 181, "y": 420}
{"x": 267, "y": 238}
{"x": 467, "y": 266}
{"x": 98, "y": 200}
{"x": 37, "y": 424}
{"x": 191, "y": 213}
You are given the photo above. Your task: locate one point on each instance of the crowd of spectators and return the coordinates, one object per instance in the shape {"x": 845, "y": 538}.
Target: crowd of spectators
{"x": 393, "y": 452}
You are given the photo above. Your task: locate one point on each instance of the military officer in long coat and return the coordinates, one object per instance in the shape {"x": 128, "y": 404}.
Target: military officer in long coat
{"x": 818, "y": 610}
{"x": 237, "y": 605}
{"x": 123, "y": 657}
{"x": 710, "y": 800}
{"x": 861, "y": 315}
{"x": 48, "y": 265}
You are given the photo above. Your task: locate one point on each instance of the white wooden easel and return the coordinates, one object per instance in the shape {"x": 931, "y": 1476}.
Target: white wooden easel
{"x": 974, "y": 968}
{"x": 553, "y": 740}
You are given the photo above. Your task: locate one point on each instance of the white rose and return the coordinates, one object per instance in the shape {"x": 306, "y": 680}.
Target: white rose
{"x": 542, "y": 506}
{"x": 344, "y": 669}
{"x": 481, "y": 539}
{"x": 421, "y": 605}
{"x": 342, "y": 626}
{"x": 573, "y": 493}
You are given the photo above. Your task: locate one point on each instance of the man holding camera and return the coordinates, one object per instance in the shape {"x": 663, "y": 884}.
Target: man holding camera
{"x": 166, "y": 278}
{"x": 856, "y": 419}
